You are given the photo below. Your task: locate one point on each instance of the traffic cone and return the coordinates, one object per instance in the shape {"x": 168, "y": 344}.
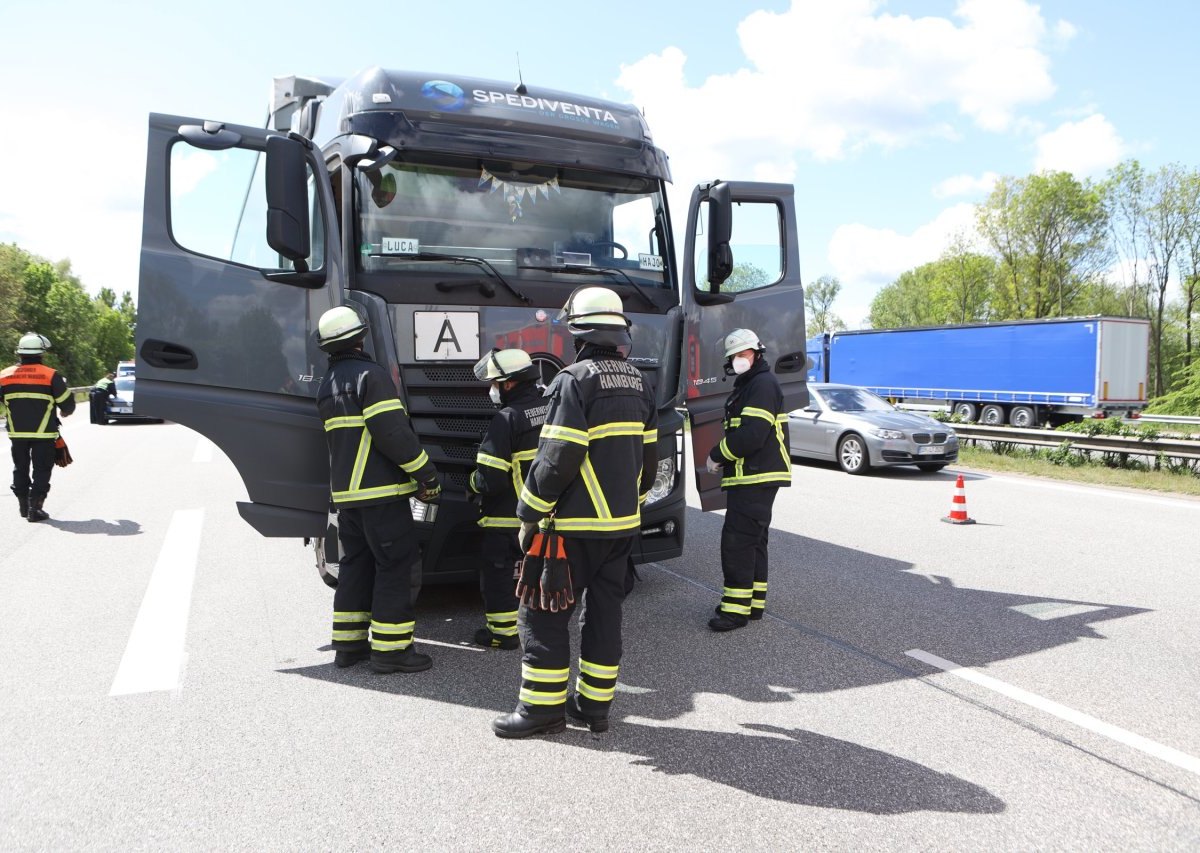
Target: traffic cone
{"x": 958, "y": 509}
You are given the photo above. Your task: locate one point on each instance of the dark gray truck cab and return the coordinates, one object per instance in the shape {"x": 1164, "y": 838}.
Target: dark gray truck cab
{"x": 459, "y": 214}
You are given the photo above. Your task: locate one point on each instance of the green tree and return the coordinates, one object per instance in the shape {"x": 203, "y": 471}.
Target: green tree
{"x": 745, "y": 276}
{"x": 819, "y": 297}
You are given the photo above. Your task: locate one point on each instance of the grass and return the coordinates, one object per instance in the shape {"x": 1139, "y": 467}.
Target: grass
{"x": 1095, "y": 473}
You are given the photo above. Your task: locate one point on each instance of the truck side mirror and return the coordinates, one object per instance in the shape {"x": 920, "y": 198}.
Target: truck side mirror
{"x": 288, "y": 230}
{"x": 720, "y": 230}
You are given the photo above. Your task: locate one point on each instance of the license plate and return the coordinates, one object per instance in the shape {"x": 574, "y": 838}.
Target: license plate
{"x": 931, "y": 450}
{"x": 123, "y": 410}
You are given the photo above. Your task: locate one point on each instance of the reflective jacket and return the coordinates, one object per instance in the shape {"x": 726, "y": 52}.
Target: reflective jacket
{"x": 598, "y": 453}
{"x": 754, "y": 451}
{"x": 374, "y": 454}
{"x": 30, "y": 391}
{"x": 506, "y": 454}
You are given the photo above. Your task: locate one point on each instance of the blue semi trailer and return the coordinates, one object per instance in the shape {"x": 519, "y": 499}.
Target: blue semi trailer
{"x": 1024, "y": 372}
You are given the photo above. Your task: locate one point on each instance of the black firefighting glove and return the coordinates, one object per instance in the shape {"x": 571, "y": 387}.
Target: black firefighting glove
{"x": 558, "y": 590}
{"x": 529, "y": 575}
{"x": 430, "y": 492}
{"x": 62, "y": 454}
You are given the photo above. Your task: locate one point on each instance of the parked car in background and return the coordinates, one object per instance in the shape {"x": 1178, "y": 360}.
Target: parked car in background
{"x": 859, "y": 430}
{"x": 120, "y": 407}
{"x": 125, "y": 368}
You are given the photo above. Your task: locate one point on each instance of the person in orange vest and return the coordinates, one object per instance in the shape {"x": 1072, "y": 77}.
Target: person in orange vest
{"x": 31, "y": 391}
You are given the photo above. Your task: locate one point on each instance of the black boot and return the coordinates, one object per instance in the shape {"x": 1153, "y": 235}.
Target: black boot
{"x": 36, "y": 513}
{"x": 22, "y": 501}
{"x": 409, "y": 660}
{"x": 343, "y": 658}
{"x": 728, "y": 621}
{"x": 595, "y": 722}
{"x": 517, "y": 725}
{"x": 484, "y": 637}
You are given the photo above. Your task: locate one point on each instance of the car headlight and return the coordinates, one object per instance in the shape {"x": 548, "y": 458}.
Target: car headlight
{"x": 887, "y": 433}
{"x": 664, "y": 480}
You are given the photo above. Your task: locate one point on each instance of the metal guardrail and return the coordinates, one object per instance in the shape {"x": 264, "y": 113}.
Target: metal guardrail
{"x": 1176, "y": 448}
{"x": 1167, "y": 419}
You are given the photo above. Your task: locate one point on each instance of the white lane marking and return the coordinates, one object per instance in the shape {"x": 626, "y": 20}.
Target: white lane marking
{"x": 1142, "y": 744}
{"x": 154, "y": 656}
{"x": 204, "y": 450}
{"x": 1095, "y": 491}
{"x": 1047, "y": 610}
{"x": 464, "y": 648}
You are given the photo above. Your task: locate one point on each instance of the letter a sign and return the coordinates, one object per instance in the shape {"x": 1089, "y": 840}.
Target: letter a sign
{"x": 446, "y": 335}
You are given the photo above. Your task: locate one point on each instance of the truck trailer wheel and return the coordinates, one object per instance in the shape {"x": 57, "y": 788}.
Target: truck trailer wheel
{"x": 1023, "y": 416}
{"x": 992, "y": 415}
{"x": 852, "y": 454}
{"x": 966, "y": 411}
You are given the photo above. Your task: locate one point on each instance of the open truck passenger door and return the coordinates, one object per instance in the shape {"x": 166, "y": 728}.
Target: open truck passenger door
{"x": 741, "y": 271}
{"x": 239, "y": 260}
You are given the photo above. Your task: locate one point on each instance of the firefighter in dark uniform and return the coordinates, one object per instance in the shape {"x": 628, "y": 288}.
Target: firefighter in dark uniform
{"x": 31, "y": 391}
{"x": 754, "y": 462}
{"x": 594, "y": 468}
{"x": 503, "y": 460}
{"x": 375, "y": 465}
{"x": 98, "y": 397}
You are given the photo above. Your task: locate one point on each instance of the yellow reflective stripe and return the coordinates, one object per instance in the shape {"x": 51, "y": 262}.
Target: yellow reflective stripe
{"x": 598, "y": 694}
{"x": 63, "y": 396}
{"x": 534, "y": 501}
{"x": 381, "y": 407}
{"x": 754, "y": 412}
{"x": 649, "y": 436}
{"x": 524, "y": 455}
{"x": 376, "y": 492}
{"x": 499, "y": 521}
{"x": 597, "y": 524}
{"x": 344, "y": 422}
{"x": 736, "y": 592}
{"x": 562, "y": 433}
{"x": 531, "y": 673}
{"x": 592, "y": 483}
{"x": 360, "y": 460}
{"x": 390, "y": 645}
{"x": 642, "y": 498}
{"x": 392, "y": 627}
{"x": 492, "y": 462}
{"x": 29, "y": 395}
{"x": 360, "y": 634}
{"x": 536, "y": 697}
{"x": 783, "y": 448}
{"x": 740, "y": 609}
{"x": 33, "y": 435}
{"x": 754, "y": 479}
{"x": 417, "y": 464}
{"x": 598, "y": 670}
{"x": 733, "y": 422}
{"x": 760, "y": 586}
{"x": 351, "y": 616}
{"x": 510, "y": 616}
{"x": 615, "y": 428}
{"x": 782, "y": 419}
{"x": 726, "y": 452}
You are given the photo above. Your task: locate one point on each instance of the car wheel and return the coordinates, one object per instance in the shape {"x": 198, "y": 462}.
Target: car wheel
{"x": 931, "y": 467}
{"x": 992, "y": 415}
{"x": 852, "y": 454}
{"x": 966, "y": 411}
{"x": 1023, "y": 417}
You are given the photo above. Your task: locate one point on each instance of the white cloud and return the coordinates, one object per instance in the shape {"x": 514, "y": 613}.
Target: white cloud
{"x": 189, "y": 169}
{"x": 966, "y": 185}
{"x": 865, "y": 259}
{"x": 826, "y": 78}
{"x": 1084, "y": 147}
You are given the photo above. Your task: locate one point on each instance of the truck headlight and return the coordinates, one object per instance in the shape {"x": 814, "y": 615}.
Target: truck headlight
{"x": 888, "y": 433}
{"x": 664, "y": 480}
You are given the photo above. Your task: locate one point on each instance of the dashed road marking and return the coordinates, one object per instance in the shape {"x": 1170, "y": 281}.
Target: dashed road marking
{"x": 154, "y": 656}
{"x": 1128, "y": 738}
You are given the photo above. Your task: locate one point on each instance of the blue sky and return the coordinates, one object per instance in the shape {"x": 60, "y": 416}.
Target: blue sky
{"x": 891, "y": 118}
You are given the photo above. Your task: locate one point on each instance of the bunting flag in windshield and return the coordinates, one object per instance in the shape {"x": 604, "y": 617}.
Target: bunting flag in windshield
{"x": 514, "y": 194}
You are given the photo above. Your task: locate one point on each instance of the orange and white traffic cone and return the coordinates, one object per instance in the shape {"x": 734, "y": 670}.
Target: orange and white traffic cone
{"x": 958, "y": 509}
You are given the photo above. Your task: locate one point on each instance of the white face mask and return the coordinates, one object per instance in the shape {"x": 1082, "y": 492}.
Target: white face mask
{"x": 494, "y": 393}
{"x": 741, "y": 364}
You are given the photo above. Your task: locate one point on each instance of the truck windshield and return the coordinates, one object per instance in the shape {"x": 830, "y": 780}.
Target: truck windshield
{"x": 524, "y": 220}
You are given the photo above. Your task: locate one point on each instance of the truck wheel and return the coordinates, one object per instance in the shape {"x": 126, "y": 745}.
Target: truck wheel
{"x": 1023, "y": 417}
{"x": 852, "y": 454}
{"x": 992, "y": 415}
{"x": 966, "y": 411}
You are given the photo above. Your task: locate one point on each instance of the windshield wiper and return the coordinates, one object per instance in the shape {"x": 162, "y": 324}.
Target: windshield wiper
{"x": 470, "y": 260}
{"x": 574, "y": 269}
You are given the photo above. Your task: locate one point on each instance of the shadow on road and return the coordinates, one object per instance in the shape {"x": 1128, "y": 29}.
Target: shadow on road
{"x": 838, "y": 619}
{"x": 122, "y": 527}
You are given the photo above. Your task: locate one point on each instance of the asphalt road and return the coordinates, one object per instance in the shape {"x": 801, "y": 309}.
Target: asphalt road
{"x": 212, "y": 716}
